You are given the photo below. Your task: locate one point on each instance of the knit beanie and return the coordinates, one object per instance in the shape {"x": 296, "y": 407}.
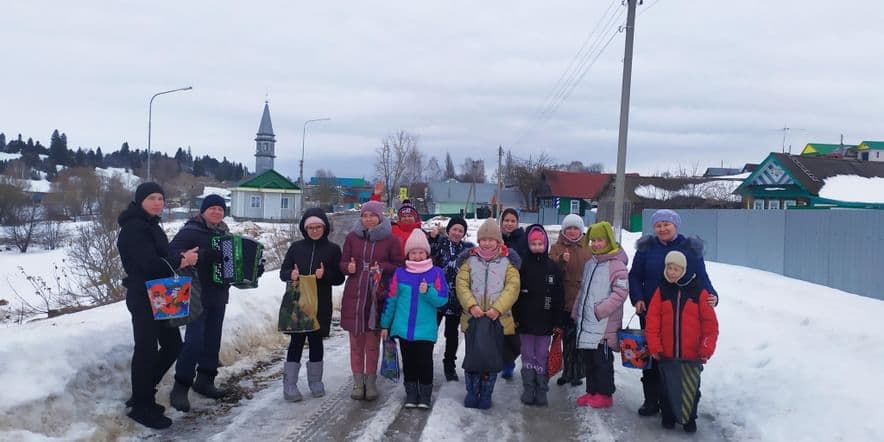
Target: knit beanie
{"x": 454, "y": 221}
{"x": 665, "y": 215}
{"x": 145, "y": 189}
{"x": 417, "y": 240}
{"x": 490, "y": 230}
{"x": 407, "y": 209}
{"x": 573, "y": 220}
{"x": 375, "y": 207}
{"x": 536, "y": 233}
{"x": 211, "y": 201}
{"x": 676, "y": 258}
{"x": 313, "y": 220}
{"x": 603, "y": 230}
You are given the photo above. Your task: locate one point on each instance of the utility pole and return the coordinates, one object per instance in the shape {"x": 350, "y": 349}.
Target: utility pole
{"x": 499, "y": 207}
{"x": 620, "y": 180}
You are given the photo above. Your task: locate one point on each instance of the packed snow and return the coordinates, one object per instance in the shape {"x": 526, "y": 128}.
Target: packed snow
{"x": 853, "y": 188}
{"x": 130, "y": 180}
{"x": 795, "y": 361}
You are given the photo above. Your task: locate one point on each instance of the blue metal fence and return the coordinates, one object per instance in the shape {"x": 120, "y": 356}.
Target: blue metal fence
{"x": 837, "y": 248}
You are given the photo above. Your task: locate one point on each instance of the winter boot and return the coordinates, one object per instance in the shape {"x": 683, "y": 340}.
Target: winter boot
{"x": 668, "y": 420}
{"x": 585, "y": 400}
{"x": 486, "y": 389}
{"x": 150, "y": 417}
{"x": 178, "y": 397}
{"x": 371, "y": 388}
{"x": 314, "y": 379}
{"x": 205, "y": 385}
{"x": 290, "y": 390}
{"x": 411, "y": 394}
{"x": 472, "y": 382}
{"x": 651, "y": 406}
{"x": 529, "y": 386}
{"x": 562, "y": 380}
{"x": 690, "y": 426}
{"x": 358, "y": 391}
{"x": 131, "y": 403}
{"x": 508, "y": 370}
{"x": 542, "y": 383}
{"x": 425, "y": 396}
{"x": 601, "y": 401}
{"x": 450, "y": 372}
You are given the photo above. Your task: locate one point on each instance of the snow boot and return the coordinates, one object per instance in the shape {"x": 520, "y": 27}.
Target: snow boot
{"x": 690, "y": 426}
{"x": 652, "y": 392}
{"x": 486, "y": 389}
{"x": 529, "y": 386}
{"x": 585, "y": 400}
{"x": 290, "y": 374}
{"x": 508, "y": 370}
{"x": 425, "y": 396}
{"x": 472, "y": 382}
{"x": 562, "y": 380}
{"x": 450, "y": 372}
{"x": 131, "y": 403}
{"x": 205, "y": 385}
{"x": 178, "y": 397}
{"x": 149, "y": 417}
{"x": 358, "y": 391}
{"x": 601, "y": 401}
{"x": 542, "y": 383}
{"x": 668, "y": 420}
{"x": 314, "y": 379}
{"x": 371, "y": 388}
{"x": 411, "y": 394}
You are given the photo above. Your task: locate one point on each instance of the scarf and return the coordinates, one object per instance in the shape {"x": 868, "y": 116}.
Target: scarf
{"x": 418, "y": 267}
{"x": 487, "y": 256}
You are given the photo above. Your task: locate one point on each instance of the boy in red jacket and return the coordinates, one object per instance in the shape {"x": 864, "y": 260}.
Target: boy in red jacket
{"x": 680, "y": 324}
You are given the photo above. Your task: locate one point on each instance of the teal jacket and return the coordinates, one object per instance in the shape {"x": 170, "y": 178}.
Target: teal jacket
{"x": 409, "y": 314}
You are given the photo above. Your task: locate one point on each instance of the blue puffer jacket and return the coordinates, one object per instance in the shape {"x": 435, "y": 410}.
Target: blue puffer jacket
{"x": 409, "y": 314}
{"x": 648, "y": 264}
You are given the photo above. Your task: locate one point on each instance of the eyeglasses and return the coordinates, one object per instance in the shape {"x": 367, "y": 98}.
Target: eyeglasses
{"x": 315, "y": 227}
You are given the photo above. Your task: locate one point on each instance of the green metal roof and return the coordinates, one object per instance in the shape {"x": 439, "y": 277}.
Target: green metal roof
{"x": 819, "y": 149}
{"x": 269, "y": 179}
{"x": 871, "y": 145}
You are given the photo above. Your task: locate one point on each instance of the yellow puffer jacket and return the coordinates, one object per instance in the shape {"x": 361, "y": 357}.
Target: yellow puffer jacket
{"x": 488, "y": 284}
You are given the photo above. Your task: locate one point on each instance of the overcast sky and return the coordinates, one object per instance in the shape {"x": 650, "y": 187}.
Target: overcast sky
{"x": 712, "y": 81}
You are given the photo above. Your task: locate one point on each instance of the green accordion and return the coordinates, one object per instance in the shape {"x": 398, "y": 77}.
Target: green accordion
{"x": 240, "y": 258}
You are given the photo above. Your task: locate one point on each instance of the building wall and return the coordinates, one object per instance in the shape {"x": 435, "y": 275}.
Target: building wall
{"x": 835, "y": 248}
{"x": 270, "y": 209}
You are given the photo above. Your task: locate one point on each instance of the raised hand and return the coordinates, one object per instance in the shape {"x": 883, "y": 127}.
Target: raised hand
{"x": 435, "y": 232}
{"x": 295, "y": 273}
{"x": 378, "y": 188}
{"x": 351, "y": 268}
{"x": 320, "y": 271}
{"x": 423, "y": 287}
{"x": 566, "y": 256}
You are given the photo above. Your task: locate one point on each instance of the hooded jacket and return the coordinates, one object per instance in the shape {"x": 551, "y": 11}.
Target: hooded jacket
{"x": 573, "y": 269}
{"x": 541, "y": 299}
{"x": 517, "y": 242}
{"x": 445, "y": 253}
{"x": 367, "y": 247}
{"x": 680, "y": 323}
{"x": 598, "y": 312}
{"x": 488, "y": 284}
{"x": 197, "y": 233}
{"x": 647, "y": 265}
{"x": 308, "y": 255}
{"x": 144, "y": 252}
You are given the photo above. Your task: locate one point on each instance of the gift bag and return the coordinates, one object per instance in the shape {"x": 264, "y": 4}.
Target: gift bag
{"x": 169, "y": 297}
{"x": 300, "y": 304}
{"x": 554, "y": 362}
{"x": 196, "y": 303}
{"x": 484, "y": 346}
{"x": 390, "y": 360}
{"x": 681, "y": 386}
{"x": 634, "y": 347}
{"x": 376, "y": 300}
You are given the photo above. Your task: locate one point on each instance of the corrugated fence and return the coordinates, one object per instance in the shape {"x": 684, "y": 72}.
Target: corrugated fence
{"x": 842, "y": 249}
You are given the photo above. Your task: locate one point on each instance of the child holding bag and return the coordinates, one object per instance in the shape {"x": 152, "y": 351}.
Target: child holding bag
{"x": 417, "y": 290}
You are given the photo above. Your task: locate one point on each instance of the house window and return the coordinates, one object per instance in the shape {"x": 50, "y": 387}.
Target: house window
{"x": 789, "y": 203}
{"x": 284, "y": 203}
{"x": 773, "y": 205}
{"x": 575, "y": 206}
{"x": 758, "y": 205}
{"x": 256, "y": 201}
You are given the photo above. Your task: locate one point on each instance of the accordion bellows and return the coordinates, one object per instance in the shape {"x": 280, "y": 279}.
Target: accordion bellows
{"x": 241, "y": 257}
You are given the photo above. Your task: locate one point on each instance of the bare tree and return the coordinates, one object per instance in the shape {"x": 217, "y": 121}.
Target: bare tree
{"x": 392, "y": 160}
{"x": 12, "y": 198}
{"x": 528, "y": 176}
{"x": 414, "y": 167}
{"x": 95, "y": 263}
{"x": 595, "y": 168}
{"x": 23, "y": 227}
{"x": 432, "y": 170}
{"x": 51, "y": 233}
{"x": 112, "y": 199}
{"x": 326, "y": 191}
{"x": 450, "y": 173}
{"x": 472, "y": 171}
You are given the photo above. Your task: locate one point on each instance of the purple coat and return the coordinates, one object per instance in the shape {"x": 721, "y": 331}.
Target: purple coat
{"x": 376, "y": 245}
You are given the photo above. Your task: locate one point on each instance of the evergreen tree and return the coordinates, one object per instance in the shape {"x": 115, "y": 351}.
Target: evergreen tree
{"x": 99, "y": 157}
{"x": 449, "y": 167}
{"x": 2, "y": 142}
{"x": 58, "y": 149}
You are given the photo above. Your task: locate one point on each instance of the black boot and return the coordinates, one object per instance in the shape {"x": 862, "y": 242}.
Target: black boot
{"x": 205, "y": 385}
{"x": 651, "y": 406}
{"x": 450, "y": 372}
{"x": 411, "y": 394}
{"x": 425, "y": 396}
{"x": 150, "y": 417}
{"x": 131, "y": 403}
{"x": 690, "y": 426}
{"x": 178, "y": 397}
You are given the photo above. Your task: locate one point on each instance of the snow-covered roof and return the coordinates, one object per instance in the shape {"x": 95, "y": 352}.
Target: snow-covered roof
{"x": 853, "y": 188}
{"x": 717, "y": 189}
{"x": 209, "y": 190}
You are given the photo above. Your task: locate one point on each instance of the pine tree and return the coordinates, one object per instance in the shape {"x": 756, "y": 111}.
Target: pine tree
{"x": 2, "y": 142}
{"x": 449, "y": 167}
{"x": 58, "y": 149}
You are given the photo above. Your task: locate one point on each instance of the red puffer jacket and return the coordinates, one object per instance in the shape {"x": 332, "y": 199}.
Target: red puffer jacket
{"x": 680, "y": 323}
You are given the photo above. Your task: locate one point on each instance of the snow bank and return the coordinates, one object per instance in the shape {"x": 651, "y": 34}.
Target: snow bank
{"x": 854, "y": 188}
{"x": 5, "y": 156}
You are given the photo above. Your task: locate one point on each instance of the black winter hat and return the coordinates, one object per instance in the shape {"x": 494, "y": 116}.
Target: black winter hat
{"x": 213, "y": 200}
{"x": 456, "y": 220}
{"x": 145, "y": 189}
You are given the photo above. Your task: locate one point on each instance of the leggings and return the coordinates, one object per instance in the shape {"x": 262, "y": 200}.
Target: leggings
{"x": 296, "y": 346}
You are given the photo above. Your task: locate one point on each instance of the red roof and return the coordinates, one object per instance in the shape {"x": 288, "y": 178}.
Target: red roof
{"x": 575, "y": 184}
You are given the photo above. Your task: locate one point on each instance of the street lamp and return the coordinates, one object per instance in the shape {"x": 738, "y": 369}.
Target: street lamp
{"x": 149, "y": 117}
{"x": 303, "y": 136}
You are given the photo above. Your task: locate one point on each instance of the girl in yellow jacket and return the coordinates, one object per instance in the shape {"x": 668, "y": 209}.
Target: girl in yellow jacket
{"x": 487, "y": 285}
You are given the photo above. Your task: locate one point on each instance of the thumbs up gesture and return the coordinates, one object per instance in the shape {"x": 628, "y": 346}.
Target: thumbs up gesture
{"x": 320, "y": 271}
{"x": 435, "y": 232}
{"x": 566, "y": 256}
{"x": 351, "y": 268}
{"x": 423, "y": 287}
{"x": 295, "y": 273}
{"x": 375, "y": 267}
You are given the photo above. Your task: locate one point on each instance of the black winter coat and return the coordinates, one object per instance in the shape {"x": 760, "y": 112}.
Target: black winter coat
{"x": 517, "y": 240}
{"x": 444, "y": 254}
{"x": 542, "y": 298}
{"x": 144, "y": 252}
{"x": 197, "y": 233}
{"x": 307, "y": 255}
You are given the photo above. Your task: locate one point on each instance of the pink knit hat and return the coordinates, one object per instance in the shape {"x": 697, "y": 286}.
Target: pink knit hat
{"x": 375, "y": 207}
{"x": 417, "y": 240}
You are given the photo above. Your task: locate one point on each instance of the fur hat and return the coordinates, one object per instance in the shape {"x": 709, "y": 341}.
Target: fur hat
{"x": 375, "y": 207}
{"x": 145, "y": 189}
{"x": 417, "y": 240}
{"x": 675, "y": 258}
{"x": 490, "y": 230}
{"x": 212, "y": 201}
{"x": 456, "y": 221}
{"x": 407, "y": 209}
{"x": 573, "y": 220}
{"x": 665, "y": 215}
